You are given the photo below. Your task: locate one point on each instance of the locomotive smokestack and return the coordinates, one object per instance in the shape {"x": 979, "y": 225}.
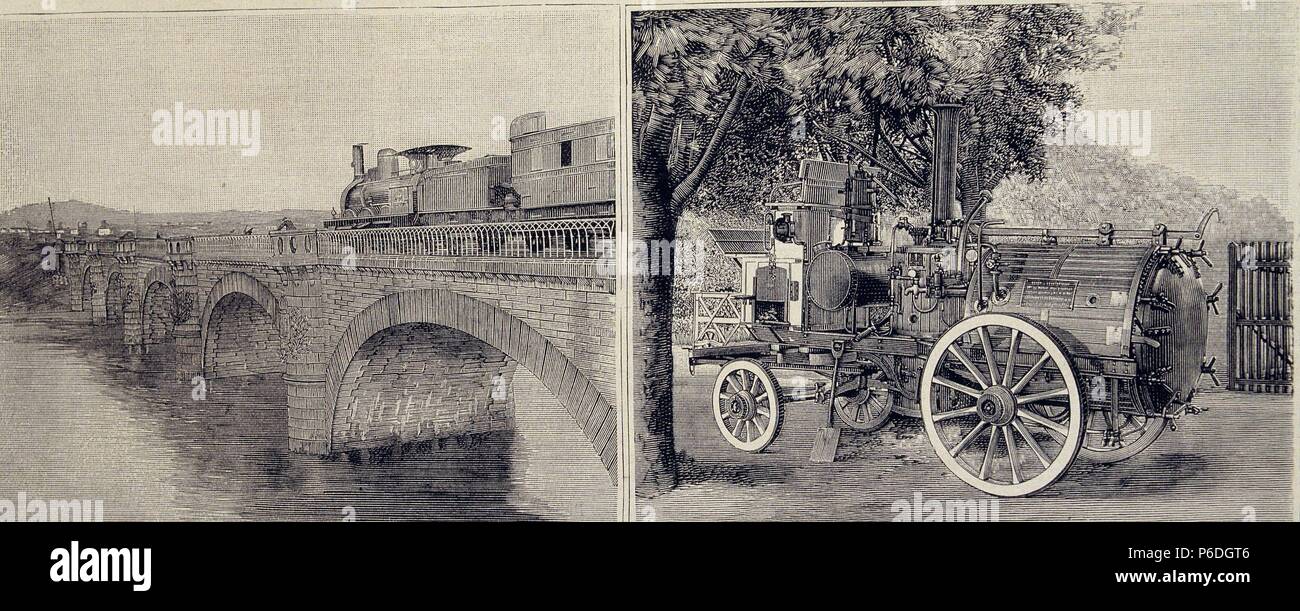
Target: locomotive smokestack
{"x": 943, "y": 167}
{"x": 358, "y": 160}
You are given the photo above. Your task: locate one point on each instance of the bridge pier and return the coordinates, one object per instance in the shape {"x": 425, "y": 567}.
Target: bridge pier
{"x": 305, "y": 387}
{"x": 188, "y": 338}
{"x": 99, "y": 303}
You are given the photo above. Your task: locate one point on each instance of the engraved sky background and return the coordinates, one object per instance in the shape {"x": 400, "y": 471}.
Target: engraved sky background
{"x": 79, "y": 93}
{"x": 1220, "y": 80}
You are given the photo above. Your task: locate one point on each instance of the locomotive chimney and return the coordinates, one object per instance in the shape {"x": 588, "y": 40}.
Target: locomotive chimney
{"x": 944, "y": 206}
{"x": 358, "y": 160}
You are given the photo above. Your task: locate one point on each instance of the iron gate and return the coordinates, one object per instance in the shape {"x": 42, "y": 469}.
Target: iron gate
{"x": 1259, "y": 317}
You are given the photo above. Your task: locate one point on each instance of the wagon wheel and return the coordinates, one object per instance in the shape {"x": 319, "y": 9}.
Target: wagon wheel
{"x": 867, "y": 407}
{"x": 1133, "y": 434}
{"x": 747, "y": 405}
{"x": 974, "y": 411}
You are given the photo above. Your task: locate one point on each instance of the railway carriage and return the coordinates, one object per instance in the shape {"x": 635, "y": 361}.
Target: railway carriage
{"x": 1020, "y": 349}
{"x": 563, "y": 172}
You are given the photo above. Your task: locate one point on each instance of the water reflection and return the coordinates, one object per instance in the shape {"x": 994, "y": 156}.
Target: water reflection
{"x": 79, "y": 419}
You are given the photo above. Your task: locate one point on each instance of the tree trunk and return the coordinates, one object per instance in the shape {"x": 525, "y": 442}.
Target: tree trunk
{"x": 656, "y": 208}
{"x": 655, "y": 221}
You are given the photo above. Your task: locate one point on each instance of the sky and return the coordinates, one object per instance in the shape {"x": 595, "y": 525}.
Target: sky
{"x": 79, "y": 96}
{"x": 1220, "y": 82}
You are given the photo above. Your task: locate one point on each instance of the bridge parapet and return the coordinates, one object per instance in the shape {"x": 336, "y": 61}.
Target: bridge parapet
{"x": 564, "y": 248}
{"x": 250, "y": 247}
{"x": 151, "y": 248}
{"x": 561, "y": 239}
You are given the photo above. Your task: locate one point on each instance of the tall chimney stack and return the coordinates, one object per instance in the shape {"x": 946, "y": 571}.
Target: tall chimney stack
{"x": 358, "y": 160}
{"x": 943, "y": 167}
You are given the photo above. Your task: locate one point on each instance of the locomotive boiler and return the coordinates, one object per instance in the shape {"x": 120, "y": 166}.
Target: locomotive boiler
{"x": 1020, "y": 349}
{"x": 551, "y": 173}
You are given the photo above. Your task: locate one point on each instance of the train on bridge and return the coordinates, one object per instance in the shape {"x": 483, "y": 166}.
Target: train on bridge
{"x": 1019, "y": 348}
{"x": 564, "y": 172}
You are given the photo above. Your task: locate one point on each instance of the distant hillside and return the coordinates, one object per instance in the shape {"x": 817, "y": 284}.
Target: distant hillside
{"x": 1090, "y": 185}
{"x": 71, "y": 213}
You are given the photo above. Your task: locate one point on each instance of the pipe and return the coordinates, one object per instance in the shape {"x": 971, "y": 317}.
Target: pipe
{"x": 358, "y": 160}
{"x": 944, "y": 206}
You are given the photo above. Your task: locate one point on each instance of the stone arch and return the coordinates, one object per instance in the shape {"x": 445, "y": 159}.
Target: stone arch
{"x": 134, "y": 308}
{"x": 109, "y": 305}
{"x": 595, "y": 416}
{"x": 157, "y": 323}
{"x": 114, "y": 294}
{"x": 252, "y": 343}
{"x": 85, "y": 298}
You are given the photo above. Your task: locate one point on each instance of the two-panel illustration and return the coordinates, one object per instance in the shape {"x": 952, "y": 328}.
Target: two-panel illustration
{"x": 653, "y": 261}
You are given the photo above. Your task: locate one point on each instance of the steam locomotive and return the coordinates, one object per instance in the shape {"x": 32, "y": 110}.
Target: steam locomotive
{"x": 1020, "y": 349}
{"x": 550, "y": 173}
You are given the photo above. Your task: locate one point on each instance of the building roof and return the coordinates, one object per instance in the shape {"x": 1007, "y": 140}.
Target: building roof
{"x": 740, "y": 241}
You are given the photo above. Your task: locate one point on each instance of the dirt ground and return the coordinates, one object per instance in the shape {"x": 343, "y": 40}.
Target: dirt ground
{"x": 1232, "y": 463}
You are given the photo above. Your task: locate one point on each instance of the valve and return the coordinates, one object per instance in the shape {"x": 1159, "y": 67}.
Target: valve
{"x": 1207, "y": 366}
{"x": 1159, "y": 302}
{"x": 1156, "y": 377}
{"x": 1212, "y": 300}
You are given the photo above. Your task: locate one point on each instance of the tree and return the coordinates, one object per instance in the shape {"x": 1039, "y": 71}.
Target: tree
{"x": 725, "y": 103}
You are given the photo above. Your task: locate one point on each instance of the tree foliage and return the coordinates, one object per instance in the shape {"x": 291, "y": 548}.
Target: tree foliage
{"x": 853, "y": 85}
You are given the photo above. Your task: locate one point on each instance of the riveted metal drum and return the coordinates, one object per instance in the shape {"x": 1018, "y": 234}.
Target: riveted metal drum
{"x": 1132, "y": 313}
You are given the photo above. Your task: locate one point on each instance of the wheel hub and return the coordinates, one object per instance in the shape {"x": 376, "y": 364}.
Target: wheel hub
{"x": 742, "y": 405}
{"x": 996, "y": 405}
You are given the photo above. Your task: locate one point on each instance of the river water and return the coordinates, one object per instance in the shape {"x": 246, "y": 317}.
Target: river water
{"x": 81, "y": 420}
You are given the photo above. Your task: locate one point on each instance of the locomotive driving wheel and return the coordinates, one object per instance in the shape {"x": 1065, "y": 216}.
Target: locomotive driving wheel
{"x": 867, "y": 407}
{"x": 747, "y": 405}
{"x": 1001, "y": 404}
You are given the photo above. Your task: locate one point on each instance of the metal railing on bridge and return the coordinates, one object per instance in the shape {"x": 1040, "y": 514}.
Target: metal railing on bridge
{"x": 554, "y": 239}
{"x": 255, "y": 247}
{"x": 563, "y": 239}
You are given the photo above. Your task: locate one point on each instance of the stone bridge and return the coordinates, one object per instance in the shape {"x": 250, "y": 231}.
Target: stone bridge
{"x": 382, "y": 336}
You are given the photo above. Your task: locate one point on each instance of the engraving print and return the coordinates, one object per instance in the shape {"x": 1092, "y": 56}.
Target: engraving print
{"x": 964, "y": 263}
{"x": 338, "y": 265}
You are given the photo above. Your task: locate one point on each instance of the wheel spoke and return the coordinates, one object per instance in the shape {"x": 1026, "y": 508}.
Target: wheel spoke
{"x": 966, "y": 441}
{"x": 756, "y": 384}
{"x": 948, "y": 415}
{"x": 1033, "y": 371}
{"x": 724, "y": 398}
{"x": 760, "y": 397}
{"x": 740, "y": 425}
{"x": 970, "y": 366}
{"x": 1042, "y": 396}
{"x": 987, "y": 468}
{"x": 988, "y": 353}
{"x": 1044, "y": 422}
{"x": 1029, "y": 441}
{"x": 1013, "y": 454}
{"x": 1009, "y": 372}
{"x": 736, "y": 380}
{"x": 957, "y": 386}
